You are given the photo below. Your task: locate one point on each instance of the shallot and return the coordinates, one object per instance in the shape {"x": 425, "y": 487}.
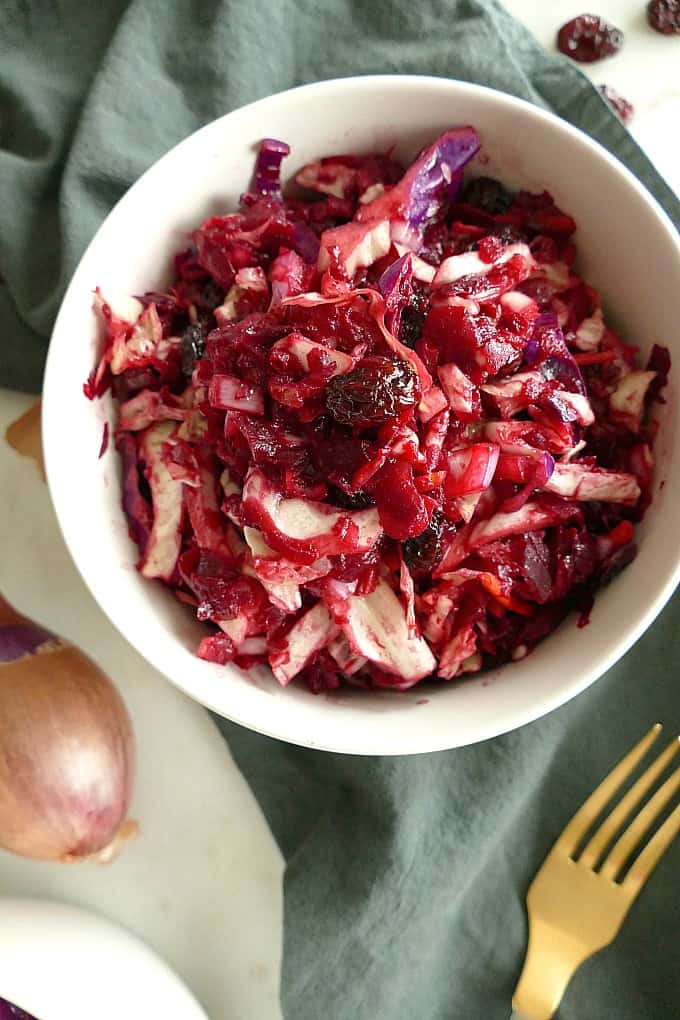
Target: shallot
{"x": 67, "y": 754}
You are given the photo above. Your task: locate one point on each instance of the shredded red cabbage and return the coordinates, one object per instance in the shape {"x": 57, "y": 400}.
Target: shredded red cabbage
{"x": 383, "y": 432}
{"x": 266, "y": 176}
{"x": 11, "y": 1012}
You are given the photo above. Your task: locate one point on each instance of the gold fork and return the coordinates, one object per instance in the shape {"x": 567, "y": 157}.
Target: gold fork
{"x": 575, "y": 910}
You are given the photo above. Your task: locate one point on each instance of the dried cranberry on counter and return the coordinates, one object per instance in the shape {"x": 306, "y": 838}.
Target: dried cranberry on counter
{"x": 621, "y": 107}
{"x": 588, "y": 38}
{"x": 664, "y": 16}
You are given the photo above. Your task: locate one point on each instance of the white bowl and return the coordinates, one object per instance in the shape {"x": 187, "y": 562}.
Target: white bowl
{"x": 628, "y": 249}
{"x": 60, "y": 962}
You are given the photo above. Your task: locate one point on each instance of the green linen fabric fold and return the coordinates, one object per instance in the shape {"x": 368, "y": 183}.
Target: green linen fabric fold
{"x": 405, "y": 877}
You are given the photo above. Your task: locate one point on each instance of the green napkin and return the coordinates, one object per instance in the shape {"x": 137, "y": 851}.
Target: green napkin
{"x": 406, "y": 877}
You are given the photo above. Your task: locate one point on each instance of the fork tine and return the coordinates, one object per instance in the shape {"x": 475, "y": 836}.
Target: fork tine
{"x": 615, "y": 820}
{"x": 649, "y": 858}
{"x": 588, "y": 812}
{"x": 637, "y": 829}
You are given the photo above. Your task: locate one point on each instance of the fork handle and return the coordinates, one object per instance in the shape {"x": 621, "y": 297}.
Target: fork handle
{"x": 548, "y": 967}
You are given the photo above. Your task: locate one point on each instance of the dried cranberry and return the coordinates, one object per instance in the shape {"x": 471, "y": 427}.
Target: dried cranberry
{"x": 436, "y": 243}
{"x": 588, "y": 38}
{"x": 664, "y": 16}
{"x": 192, "y": 346}
{"x": 615, "y": 563}
{"x": 358, "y": 500}
{"x": 508, "y": 234}
{"x": 132, "y": 380}
{"x": 621, "y": 107}
{"x": 210, "y": 296}
{"x": 411, "y": 325}
{"x": 423, "y": 553}
{"x": 659, "y": 361}
{"x": 413, "y": 316}
{"x": 488, "y": 194}
{"x": 377, "y": 390}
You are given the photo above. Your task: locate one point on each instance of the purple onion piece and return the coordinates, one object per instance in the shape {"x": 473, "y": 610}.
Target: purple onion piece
{"x": 544, "y": 467}
{"x": 396, "y": 287}
{"x": 531, "y": 351}
{"x": 306, "y": 242}
{"x": 137, "y": 508}
{"x": 556, "y": 360}
{"x": 390, "y": 278}
{"x": 564, "y": 370}
{"x": 548, "y": 319}
{"x": 433, "y": 180}
{"x": 266, "y": 176}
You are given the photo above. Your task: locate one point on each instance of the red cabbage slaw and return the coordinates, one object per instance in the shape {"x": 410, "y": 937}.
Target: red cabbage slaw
{"x": 383, "y": 432}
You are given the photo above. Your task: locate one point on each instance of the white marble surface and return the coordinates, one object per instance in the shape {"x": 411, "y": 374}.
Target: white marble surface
{"x": 202, "y": 884}
{"x": 646, "y": 70}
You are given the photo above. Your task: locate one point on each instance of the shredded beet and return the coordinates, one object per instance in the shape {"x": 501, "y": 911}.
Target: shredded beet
{"x": 105, "y": 440}
{"x": 381, "y": 433}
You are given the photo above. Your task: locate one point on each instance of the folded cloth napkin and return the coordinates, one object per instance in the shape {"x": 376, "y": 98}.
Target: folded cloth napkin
{"x": 405, "y": 877}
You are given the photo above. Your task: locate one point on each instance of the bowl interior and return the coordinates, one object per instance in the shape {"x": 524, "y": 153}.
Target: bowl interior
{"x": 628, "y": 250}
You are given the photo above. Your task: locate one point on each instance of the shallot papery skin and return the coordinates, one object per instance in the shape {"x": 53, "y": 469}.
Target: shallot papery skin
{"x": 67, "y": 755}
